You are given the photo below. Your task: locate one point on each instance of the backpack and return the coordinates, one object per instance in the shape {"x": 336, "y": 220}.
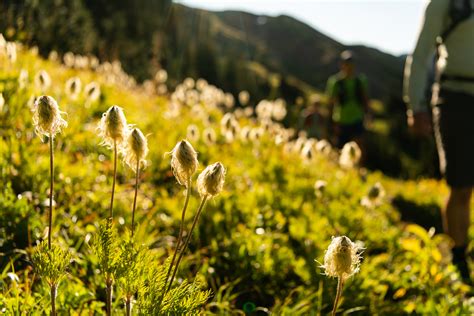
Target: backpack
{"x": 459, "y": 11}
{"x": 342, "y": 93}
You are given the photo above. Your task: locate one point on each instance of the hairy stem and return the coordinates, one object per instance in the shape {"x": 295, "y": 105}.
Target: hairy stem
{"x": 340, "y": 284}
{"x": 53, "y": 299}
{"x": 186, "y": 242}
{"x": 111, "y": 211}
{"x": 135, "y": 197}
{"x": 181, "y": 228}
{"x": 108, "y": 291}
{"x": 128, "y": 306}
{"x": 51, "y": 188}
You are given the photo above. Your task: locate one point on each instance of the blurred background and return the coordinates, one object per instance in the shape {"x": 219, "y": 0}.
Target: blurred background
{"x": 272, "y": 49}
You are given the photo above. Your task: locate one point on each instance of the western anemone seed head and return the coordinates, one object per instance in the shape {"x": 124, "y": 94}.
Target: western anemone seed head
{"x": 184, "y": 162}
{"x": 209, "y": 136}
{"x": 92, "y": 91}
{"x": 376, "y": 191}
{"x": 113, "y": 126}
{"x": 136, "y": 149}
{"x": 193, "y": 133}
{"x": 73, "y": 87}
{"x": 342, "y": 258}
{"x": 350, "y": 155}
{"x": 42, "y": 80}
{"x": 47, "y": 117}
{"x": 244, "y": 97}
{"x": 320, "y": 187}
{"x": 211, "y": 181}
{"x": 23, "y": 79}
{"x": 2, "y": 102}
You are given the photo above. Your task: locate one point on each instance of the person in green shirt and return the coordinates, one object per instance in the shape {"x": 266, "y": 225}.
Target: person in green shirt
{"x": 348, "y": 102}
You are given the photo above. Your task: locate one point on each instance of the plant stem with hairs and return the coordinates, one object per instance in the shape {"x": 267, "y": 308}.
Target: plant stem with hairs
{"x": 181, "y": 228}
{"x": 111, "y": 210}
{"x": 188, "y": 238}
{"x": 53, "y": 299}
{"x": 109, "y": 280}
{"x": 137, "y": 176}
{"x": 128, "y": 306}
{"x": 340, "y": 284}
{"x": 51, "y": 188}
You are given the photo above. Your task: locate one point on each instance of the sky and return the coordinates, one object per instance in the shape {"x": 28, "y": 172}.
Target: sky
{"x": 389, "y": 25}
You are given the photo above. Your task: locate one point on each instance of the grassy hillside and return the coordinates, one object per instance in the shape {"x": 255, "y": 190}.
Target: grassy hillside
{"x": 256, "y": 244}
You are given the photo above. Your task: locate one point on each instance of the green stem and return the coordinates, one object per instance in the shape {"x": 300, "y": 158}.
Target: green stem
{"x": 340, "y": 284}
{"x": 53, "y": 299}
{"x": 108, "y": 292}
{"x": 111, "y": 210}
{"x": 135, "y": 197}
{"x": 188, "y": 238}
{"x": 128, "y": 306}
{"x": 181, "y": 228}
{"x": 51, "y": 188}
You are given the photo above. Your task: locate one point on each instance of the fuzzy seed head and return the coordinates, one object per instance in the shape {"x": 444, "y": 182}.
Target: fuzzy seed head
{"x": 136, "y": 149}
{"x": 184, "y": 162}
{"x": 73, "y": 87}
{"x": 42, "y": 80}
{"x": 211, "y": 181}
{"x": 193, "y": 133}
{"x": 350, "y": 155}
{"x": 113, "y": 126}
{"x": 92, "y": 91}
{"x": 47, "y": 117}
{"x": 342, "y": 258}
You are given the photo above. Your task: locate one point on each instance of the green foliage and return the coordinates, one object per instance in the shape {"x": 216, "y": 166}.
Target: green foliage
{"x": 50, "y": 264}
{"x": 255, "y": 245}
{"x": 184, "y": 299}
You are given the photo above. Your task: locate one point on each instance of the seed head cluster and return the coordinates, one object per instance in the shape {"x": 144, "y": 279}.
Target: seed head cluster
{"x": 211, "y": 181}
{"x": 113, "y": 126}
{"x": 342, "y": 258}
{"x": 184, "y": 162}
{"x": 136, "y": 149}
{"x": 47, "y": 117}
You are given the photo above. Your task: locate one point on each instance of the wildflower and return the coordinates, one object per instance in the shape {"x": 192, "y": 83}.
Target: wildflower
{"x": 2, "y": 102}
{"x": 324, "y": 147}
{"x": 42, "y": 80}
{"x": 209, "y": 136}
{"x": 23, "y": 79}
{"x": 161, "y": 76}
{"x": 374, "y": 196}
{"x": 92, "y": 91}
{"x": 113, "y": 126}
{"x": 47, "y": 117}
{"x": 320, "y": 187}
{"x": 193, "y": 133}
{"x": 211, "y": 181}
{"x": 342, "y": 258}
{"x": 184, "y": 162}
{"x": 244, "y": 97}
{"x": 350, "y": 155}
{"x": 73, "y": 87}
{"x": 11, "y": 51}
{"x": 136, "y": 149}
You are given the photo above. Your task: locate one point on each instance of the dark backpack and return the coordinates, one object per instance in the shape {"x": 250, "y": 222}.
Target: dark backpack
{"x": 342, "y": 93}
{"x": 459, "y": 11}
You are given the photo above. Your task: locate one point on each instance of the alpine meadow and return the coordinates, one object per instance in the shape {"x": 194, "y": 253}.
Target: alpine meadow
{"x": 126, "y": 198}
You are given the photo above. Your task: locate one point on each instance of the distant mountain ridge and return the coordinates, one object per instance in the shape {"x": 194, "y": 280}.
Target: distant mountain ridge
{"x": 285, "y": 45}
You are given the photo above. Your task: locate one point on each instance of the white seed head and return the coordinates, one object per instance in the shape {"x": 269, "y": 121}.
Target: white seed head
{"x": 193, "y": 133}
{"x": 342, "y": 258}
{"x": 2, "y": 102}
{"x": 113, "y": 127}
{"x": 184, "y": 162}
{"x": 244, "y": 97}
{"x": 47, "y": 117}
{"x": 92, "y": 91}
{"x": 209, "y": 136}
{"x": 42, "y": 80}
{"x": 73, "y": 87}
{"x": 350, "y": 155}
{"x": 136, "y": 149}
{"x": 23, "y": 79}
{"x": 320, "y": 187}
{"x": 211, "y": 181}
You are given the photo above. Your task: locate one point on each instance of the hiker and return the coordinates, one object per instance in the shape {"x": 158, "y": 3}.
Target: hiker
{"x": 348, "y": 102}
{"x": 312, "y": 120}
{"x": 447, "y": 31}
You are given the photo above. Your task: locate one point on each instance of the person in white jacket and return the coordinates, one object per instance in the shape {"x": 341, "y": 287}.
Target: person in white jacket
{"x": 451, "y": 40}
